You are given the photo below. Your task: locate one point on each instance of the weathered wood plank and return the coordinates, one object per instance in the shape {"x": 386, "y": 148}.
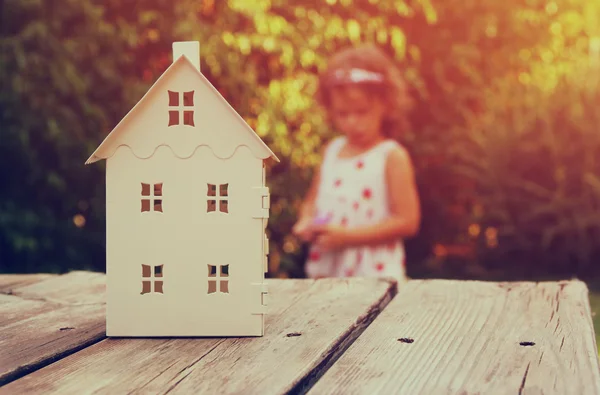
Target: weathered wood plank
{"x": 74, "y": 288}
{"x": 309, "y": 324}
{"x": 10, "y": 281}
{"x": 465, "y": 338}
{"x": 44, "y": 321}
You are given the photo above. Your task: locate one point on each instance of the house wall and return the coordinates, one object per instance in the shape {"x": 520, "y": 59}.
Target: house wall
{"x": 185, "y": 238}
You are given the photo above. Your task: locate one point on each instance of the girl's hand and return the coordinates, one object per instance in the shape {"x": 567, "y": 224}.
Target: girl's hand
{"x": 303, "y": 229}
{"x": 331, "y": 237}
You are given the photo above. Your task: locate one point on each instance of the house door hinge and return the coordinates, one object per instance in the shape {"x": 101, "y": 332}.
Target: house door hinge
{"x": 266, "y": 253}
{"x": 263, "y": 200}
{"x": 264, "y": 298}
{"x": 263, "y": 290}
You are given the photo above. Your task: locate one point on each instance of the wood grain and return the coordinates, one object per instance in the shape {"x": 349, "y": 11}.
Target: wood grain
{"x": 309, "y": 324}
{"x": 10, "y": 281}
{"x": 49, "y": 319}
{"x": 73, "y": 288}
{"x": 466, "y": 339}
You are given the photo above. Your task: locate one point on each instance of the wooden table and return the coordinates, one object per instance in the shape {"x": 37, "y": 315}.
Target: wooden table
{"x": 354, "y": 336}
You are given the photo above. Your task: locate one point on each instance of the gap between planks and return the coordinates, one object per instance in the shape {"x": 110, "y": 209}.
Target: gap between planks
{"x": 48, "y": 317}
{"x": 345, "y": 341}
{"x": 329, "y": 315}
{"x": 452, "y": 337}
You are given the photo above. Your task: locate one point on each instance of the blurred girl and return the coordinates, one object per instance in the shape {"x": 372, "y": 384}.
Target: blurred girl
{"x": 363, "y": 201}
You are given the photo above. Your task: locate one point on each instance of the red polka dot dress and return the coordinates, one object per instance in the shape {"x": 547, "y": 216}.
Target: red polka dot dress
{"x": 353, "y": 193}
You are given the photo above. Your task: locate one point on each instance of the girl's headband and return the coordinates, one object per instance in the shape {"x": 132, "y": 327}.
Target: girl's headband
{"x": 355, "y": 75}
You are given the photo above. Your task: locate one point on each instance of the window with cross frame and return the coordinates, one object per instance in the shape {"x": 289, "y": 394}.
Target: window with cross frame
{"x": 220, "y": 195}
{"x": 218, "y": 279}
{"x": 152, "y": 279}
{"x": 181, "y": 103}
{"x": 152, "y": 196}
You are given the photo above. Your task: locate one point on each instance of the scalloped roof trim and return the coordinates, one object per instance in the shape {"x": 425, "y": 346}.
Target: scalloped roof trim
{"x": 191, "y": 154}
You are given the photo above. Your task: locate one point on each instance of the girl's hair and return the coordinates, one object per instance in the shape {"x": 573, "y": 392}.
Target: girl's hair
{"x": 371, "y": 67}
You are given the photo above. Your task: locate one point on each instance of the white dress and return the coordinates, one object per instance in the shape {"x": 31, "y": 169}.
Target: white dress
{"x": 353, "y": 193}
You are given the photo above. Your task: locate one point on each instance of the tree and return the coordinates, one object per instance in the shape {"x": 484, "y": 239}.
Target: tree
{"x": 75, "y": 70}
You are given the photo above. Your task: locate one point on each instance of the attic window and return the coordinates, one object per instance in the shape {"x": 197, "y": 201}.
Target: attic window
{"x": 152, "y": 279}
{"x": 152, "y": 196}
{"x": 181, "y": 108}
{"x": 221, "y": 195}
{"x": 218, "y": 279}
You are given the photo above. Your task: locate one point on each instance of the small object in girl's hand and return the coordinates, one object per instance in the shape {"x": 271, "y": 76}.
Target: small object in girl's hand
{"x": 321, "y": 220}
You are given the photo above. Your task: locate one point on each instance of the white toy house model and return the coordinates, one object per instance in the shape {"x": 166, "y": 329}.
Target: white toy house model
{"x": 186, "y": 212}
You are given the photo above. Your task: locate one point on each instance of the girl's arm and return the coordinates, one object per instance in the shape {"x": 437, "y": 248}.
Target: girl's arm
{"x": 303, "y": 227}
{"x": 307, "y": 208}
{"x": 403, "y": 198}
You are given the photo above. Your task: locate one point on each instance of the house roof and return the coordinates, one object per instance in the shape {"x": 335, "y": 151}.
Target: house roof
{"x": 108, "y": 147}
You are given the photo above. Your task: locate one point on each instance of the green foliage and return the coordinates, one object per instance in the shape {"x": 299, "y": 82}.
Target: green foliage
{"x": 58, "y": 93}
{"x": 71, "y": 71}
{"x": 535, "y": 168}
